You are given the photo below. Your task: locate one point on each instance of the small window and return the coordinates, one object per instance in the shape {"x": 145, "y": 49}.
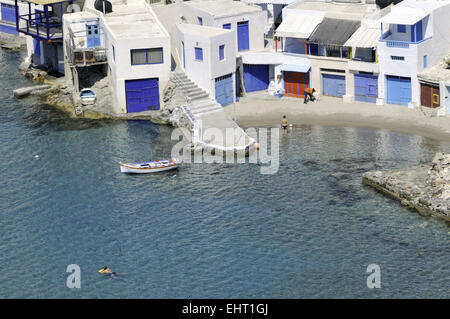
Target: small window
{"x": 397, "y": 58}
{"x": 227, "y": 26}
{"x": 147, "y": 56}
{"x": 222, "y": 52}
{"x": 401, "y": 28}
{"x": 114, "y": 53}
{"x": 200, "y": 21}
{"x": 425, "y": 62}
{"x": 199, "y": 54}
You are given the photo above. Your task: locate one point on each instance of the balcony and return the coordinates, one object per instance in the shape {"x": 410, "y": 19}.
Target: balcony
{"x": 42, "y": 19}
{"x": 85, "y": 51}
{"x": 37, "y": 26}
{"x": 391, "y": 42}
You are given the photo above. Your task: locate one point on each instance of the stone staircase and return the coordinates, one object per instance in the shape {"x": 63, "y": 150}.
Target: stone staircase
{"x": 199, "y": 101}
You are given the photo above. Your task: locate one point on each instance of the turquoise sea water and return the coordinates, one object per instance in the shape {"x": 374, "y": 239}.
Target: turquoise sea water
{"x": 213, "y": 230}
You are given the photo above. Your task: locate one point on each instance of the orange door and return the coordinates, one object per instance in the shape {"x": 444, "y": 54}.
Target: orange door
{"x": 295, "y": 83}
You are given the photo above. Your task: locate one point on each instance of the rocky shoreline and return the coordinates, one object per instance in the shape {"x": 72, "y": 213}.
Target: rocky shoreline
{"x": 59, "y": 94}
{"x": 424, "y": 188}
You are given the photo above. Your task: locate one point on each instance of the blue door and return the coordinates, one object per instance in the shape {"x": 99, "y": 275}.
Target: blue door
{"x": 224, "y": 89}
{"x": 256, "y": 77}
{"x": 333, "y": 85}
{"x": 8, "y": 12}
{"x": 243, "y": 37}
{"x": 398, "y": 90}
{"x": 142, "y": 95}
{"x": 416, "y": 32}
{"x": 366, "y": 88}
{"x": 36, "y": 46}
{"x": 93, "y": 35}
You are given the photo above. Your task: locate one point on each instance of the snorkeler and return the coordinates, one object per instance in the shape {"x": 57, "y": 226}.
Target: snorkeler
{"x": 107, "y": 271}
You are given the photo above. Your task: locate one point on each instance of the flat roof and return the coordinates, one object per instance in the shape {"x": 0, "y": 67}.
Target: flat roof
{"x": 269, "y": 1}
{"x": 410, "y": 12}
{"x": 336, "y": 9}
{"x": 223, "y": 8}
{"x": 45, "y": 2}
{"x": 201, "y": 30}
{"x": 133, "y": 20}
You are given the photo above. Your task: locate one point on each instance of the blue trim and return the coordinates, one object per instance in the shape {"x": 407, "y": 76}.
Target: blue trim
{"x": 198, "y": 54}
{"x": 222, "y": 52}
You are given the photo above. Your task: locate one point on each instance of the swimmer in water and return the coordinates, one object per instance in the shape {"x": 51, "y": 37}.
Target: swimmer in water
{"x": 106, "y": 271}
{"x": 284, "y": 124}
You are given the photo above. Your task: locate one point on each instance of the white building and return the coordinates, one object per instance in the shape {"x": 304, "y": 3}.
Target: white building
{"x": 248, "y": 21}
{"x": 133, "y": 45}
{"x": 415, "y": 35}
{"x": 208, "y": 57}
{"x": 319, "y": 30}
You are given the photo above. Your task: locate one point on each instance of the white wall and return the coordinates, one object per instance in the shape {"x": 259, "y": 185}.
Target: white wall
{"x": 436, "y": 27}
{"x": 257, "y": 23}
{"x": 204, "y": 73}
{"x": 122, "y": 70}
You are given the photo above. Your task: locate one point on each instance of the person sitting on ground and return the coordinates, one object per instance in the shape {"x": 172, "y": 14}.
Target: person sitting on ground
{"x": 284, "y": 123}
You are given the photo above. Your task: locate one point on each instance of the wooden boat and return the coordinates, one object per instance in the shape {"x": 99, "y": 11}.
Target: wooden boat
{"x": 150, "y": 167}
{"x": 87, "y": 96}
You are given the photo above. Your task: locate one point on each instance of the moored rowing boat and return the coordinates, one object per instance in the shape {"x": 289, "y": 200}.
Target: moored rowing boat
{"x": 150, "y": 167}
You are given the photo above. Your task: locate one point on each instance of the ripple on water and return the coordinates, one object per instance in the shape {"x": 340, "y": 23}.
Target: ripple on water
{"x": 218, "y": 230}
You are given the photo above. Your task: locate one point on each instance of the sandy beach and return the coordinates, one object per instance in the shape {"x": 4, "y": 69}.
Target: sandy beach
{"x": 262, "y": 109}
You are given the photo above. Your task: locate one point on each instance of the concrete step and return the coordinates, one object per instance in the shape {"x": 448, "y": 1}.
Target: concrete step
{"x": 200, "y": 115}
{"x": 199, "y": 95}
{"x": 203, "y": 102}
{"x": 201, "y": 108}
{"x": 191, "y": 90}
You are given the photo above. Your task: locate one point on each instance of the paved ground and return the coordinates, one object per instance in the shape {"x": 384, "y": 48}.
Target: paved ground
{"x": 262, "y": 109}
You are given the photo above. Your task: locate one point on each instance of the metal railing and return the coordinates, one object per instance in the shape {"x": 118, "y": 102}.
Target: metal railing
{"x": 81, "y": 56}
{"x": 36, "y": 27}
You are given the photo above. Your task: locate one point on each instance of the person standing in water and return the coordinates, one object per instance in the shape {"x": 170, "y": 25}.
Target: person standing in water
{"x": 284, "y": 124}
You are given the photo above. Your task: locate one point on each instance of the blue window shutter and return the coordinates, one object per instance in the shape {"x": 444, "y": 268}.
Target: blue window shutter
{"x": 425, "y": 62}
{"x": 227, "y": 26}
{"x": 200, "y": 21}
{"x": 199, "y": 54}
{"x": 401, "y": 28}
{"x": 222, "y": 52}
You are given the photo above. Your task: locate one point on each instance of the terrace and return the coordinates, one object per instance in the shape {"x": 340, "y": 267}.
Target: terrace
{"x": 43, "y": 19}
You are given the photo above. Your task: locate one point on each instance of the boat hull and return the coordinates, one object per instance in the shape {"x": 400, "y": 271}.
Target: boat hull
{"x": 127, "y": 168}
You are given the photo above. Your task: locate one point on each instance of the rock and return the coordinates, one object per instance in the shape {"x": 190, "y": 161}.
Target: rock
{"x": 425, "y": 188}
{"x": 22, "y": 92}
